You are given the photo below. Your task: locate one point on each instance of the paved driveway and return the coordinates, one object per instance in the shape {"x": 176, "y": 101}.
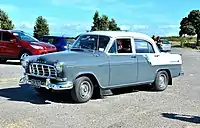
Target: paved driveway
{"x": 177, "y": 107}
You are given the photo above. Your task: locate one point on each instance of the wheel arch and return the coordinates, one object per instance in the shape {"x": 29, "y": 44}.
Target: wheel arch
{"x": 23, "y": 51}
{"x": 92, "y": 77}
{"x": 169, "y": 74}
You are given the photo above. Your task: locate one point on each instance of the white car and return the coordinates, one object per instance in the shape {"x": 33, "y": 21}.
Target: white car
{"x": 165, "y": 45}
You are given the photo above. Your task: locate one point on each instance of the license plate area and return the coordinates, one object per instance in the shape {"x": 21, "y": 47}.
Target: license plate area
{"x": 36, "y": 83}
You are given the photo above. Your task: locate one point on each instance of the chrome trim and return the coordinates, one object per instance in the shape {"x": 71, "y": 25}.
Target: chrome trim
{"x": 42, "y": 70}
{"x": 48, "y": 85}
{"x": 42, "y": 76}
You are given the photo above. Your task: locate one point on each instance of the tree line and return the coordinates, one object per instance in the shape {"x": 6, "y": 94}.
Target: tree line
{"x": 190, "y": 26}
{"x": 42, "y": 27}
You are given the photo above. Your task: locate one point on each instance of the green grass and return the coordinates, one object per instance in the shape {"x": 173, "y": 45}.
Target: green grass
{"x": 179, "y": 39}
{"x": 189, "y": 42}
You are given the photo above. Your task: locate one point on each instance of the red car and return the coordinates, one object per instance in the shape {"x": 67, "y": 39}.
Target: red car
{"x": 15, "y": 44}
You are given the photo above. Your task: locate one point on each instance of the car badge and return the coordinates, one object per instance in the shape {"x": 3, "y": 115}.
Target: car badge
{"x": 40, "y": 60}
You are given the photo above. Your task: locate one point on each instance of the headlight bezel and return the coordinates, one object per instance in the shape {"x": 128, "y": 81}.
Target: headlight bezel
{"x": 59, "y": 66}
{"x": 24, "y": 63}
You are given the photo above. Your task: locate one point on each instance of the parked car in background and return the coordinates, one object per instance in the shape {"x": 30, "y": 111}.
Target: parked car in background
{"x": 16, "y": 44}
{"x": 61, "y": 43}
{"x": 165, "y": 45}
{"x": 101, "y": 60}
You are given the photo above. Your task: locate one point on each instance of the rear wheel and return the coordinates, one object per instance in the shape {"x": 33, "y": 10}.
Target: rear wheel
{"x": 83, "y": 90}
{"x": 161, "y": 81}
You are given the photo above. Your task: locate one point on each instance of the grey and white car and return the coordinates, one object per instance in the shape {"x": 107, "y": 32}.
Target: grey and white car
{"x": 102, "y": 60}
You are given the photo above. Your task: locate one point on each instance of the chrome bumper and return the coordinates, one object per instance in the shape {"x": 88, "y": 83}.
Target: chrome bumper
{"x": 48, "y": 85}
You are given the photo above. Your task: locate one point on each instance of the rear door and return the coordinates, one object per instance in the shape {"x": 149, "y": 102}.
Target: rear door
{"x": 145, "y": 52}
{"x": 10, "y": 49}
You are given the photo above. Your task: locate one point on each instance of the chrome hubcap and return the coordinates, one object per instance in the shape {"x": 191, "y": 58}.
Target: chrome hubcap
{"x": 162, "y": 80}
{"x": 85, "y": 89}
{"x": 24, "y": 55}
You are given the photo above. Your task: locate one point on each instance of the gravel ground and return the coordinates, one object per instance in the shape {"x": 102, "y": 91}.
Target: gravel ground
{"x": 176, "y": 107}
{"x": 10, "y": 71}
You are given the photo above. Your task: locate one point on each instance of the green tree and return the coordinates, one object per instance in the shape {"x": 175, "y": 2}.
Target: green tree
{"x": 103, "y": 23}
{"x": 5, "y": 22}
{"x": 41, "y": 27}
{"x": 194, "y": 18}
{"x": 190, "y": 25}
{"x": 96, "y": 22}
{"x": 113, "y": 25}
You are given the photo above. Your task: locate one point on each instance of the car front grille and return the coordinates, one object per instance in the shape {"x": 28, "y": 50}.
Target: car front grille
{"x": 42, "y": 70}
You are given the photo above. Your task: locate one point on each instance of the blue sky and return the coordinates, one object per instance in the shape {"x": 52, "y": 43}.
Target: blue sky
{"x": 71, "y": 17}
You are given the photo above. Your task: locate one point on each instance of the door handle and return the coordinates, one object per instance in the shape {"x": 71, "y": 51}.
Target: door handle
{"x": 133, "y": 56}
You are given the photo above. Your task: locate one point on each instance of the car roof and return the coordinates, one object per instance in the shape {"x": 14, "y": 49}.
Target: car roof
{"x": 120, "y": 34}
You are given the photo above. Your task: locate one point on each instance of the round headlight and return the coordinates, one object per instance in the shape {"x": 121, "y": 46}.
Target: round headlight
{"x": 59, "y": 66}
{"x": 24, "y": 63}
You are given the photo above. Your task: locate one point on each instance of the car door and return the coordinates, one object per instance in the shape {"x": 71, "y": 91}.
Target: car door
{"x": 123, "y": 62}
{"x": 145, "y": 51}
{"x": 10, "y": 49}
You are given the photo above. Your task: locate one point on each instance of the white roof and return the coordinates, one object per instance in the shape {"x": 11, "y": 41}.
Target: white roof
{"x": 121, "y": 34}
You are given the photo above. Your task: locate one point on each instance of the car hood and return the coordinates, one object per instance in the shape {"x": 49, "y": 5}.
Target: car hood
{"x": 68, "y": 57}
{"x": 47, "y": 45}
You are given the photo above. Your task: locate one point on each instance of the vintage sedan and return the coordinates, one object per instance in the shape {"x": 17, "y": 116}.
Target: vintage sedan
{"x": 102, "y": 60}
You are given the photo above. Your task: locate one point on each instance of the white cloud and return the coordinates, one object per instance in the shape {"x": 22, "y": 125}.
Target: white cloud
{"x": 139, "y": 26}
{"x": 168, "y": 26}
{"x": 124, "y": 27}
{"x": 23, "y": 25}
{"x": 90, "y": 5}
{"x": 9, "y": 7}
{"x": 133, "y": 27}
{"x": 171, "y": 34}
{"x": 28, "y": 25}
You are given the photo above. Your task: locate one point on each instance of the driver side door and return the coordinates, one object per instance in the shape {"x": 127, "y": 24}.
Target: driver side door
{"x": 123, "y": 62}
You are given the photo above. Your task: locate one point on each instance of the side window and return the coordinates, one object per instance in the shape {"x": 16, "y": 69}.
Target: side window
{"x": 40, "y": 39}
{"x": 103, "y": 42}
{"x": 121, "y": 46}
{"x": 113, "y": 49}
{"x": 6, "y": 36}
{"x": 142, "y": 46}
{"x": 124, "y": 45}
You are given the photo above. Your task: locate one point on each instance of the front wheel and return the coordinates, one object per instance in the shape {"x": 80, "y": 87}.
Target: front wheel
{"x": 161, "y": 81}
{"x": 83, "y": 90}
{"x": 25, "y": 54}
